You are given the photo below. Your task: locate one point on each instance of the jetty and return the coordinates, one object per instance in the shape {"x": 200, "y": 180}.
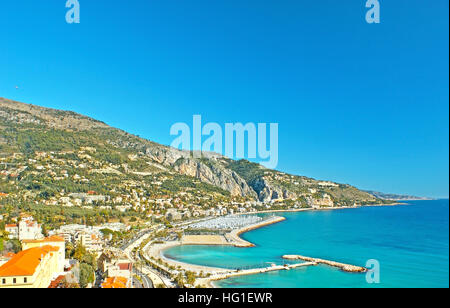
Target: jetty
{"x": 345, "y": 267}
{"x": 268, "y": 269}
{"x": 206, "y": 282}
{"x": 231, "y": 238}
{"x": 234, "y": 236}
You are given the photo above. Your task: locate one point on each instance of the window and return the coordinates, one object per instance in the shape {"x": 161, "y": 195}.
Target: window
{"x": 3, "y": 281}
{"x": 14, "y": 280}
{"x": 25, "y": 280}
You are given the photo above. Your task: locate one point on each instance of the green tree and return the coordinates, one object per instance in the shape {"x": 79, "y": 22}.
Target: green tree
{"x": 69, "y": 250}
{"x": 90, "y": 259}
{"x": 190, "y": 278}
{"x": 16, "y": 245}
{"x": 79, "y": 253}
{"x": 44, "y": 231}
{"x": 86, "y": 275}
{"x": 180, "y": 280}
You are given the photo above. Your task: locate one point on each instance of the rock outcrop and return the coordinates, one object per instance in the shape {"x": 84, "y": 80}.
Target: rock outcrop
{"x": 216, "y": 175}
{"x": 266, "y": 191}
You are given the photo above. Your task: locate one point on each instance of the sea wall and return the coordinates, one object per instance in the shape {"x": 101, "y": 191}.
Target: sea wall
{"x": 234, "y": 236}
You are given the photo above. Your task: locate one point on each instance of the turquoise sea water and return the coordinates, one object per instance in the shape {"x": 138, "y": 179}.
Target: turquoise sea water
{"x": 411, "y": 243}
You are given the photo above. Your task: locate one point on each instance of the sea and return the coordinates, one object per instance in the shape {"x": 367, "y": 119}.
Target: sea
{"x": 405, "y": 246}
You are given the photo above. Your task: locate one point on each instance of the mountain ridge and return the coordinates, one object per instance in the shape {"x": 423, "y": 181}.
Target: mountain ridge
{"x": 29, "y": 129}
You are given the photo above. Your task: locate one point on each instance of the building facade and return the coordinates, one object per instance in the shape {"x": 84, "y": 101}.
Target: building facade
{"x": 31, "y": 268}
{"x": 29, "y": 230}
{"x": 13, "y": 231}
{"x": 54, "y": 241}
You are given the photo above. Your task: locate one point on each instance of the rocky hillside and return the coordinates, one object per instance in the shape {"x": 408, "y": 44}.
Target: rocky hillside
{"x": 29, "y": 129}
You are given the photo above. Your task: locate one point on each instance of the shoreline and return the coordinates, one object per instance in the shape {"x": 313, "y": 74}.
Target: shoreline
{"x": 157, "y": 251}
{"x": 323, "y": 208}
{"x": 231, "y": 239}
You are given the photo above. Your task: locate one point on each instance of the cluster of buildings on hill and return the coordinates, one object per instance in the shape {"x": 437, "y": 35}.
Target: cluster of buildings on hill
{"x": 42, "y": 262}
{"x": 148, "y": 196}
{"x": 90, "y": 237}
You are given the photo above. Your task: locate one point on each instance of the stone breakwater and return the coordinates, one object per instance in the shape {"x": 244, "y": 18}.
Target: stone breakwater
{"x": 231, "y": 238}
{"x": 234, "y": 236}
{"x": 345, "y": 267}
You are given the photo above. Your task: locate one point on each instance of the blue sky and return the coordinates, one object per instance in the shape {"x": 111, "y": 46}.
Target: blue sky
{"x": 358, "y": 103}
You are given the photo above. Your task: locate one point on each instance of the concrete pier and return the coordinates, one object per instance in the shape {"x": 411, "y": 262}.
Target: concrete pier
{"x": 269, "y": 269}
{"x": 206, "y": 282}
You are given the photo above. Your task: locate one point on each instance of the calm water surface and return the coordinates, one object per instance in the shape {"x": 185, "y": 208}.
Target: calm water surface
{"x": 411, "y": 243}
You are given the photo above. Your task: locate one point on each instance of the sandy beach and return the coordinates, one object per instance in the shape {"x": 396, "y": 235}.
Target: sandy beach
{"x": 156, "y": 251}
{"x": 204, "y": 240}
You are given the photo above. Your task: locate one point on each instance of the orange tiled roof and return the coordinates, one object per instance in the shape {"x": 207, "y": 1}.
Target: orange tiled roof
{"x": 55, "y": 283}
{"x": 115, "y": 283}
{"x": 3, "y": 195}
{"x": 25, "y": 262}
{"x": 11, "y": 226}
{"x": 31, "y": 223}
{"x": 125, "y": 266}
{"x": 53, "y": 238}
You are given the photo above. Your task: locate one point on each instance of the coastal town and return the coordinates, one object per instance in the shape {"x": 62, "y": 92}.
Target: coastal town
{"x": 80, "y": 256}
{"x": 119, "y": 243}
{"x": 232, "y": 153}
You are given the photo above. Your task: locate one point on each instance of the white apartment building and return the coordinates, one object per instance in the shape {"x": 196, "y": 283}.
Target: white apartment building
{"x": 13, "y": 231}
{"x": 92, "y": 241}
{"x": 29, "y": 230}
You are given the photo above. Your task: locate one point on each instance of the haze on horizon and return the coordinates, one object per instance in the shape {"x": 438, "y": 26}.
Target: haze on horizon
{"x": 356, "y": 103}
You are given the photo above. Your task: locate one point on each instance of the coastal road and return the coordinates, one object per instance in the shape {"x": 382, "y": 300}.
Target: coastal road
{"x": 149, "y": 277}
{"x": 136, "y": 283}
{"x": 145, "y": 282}
{"x": 148, "y": 284}
{"x": 128, "y": 248}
